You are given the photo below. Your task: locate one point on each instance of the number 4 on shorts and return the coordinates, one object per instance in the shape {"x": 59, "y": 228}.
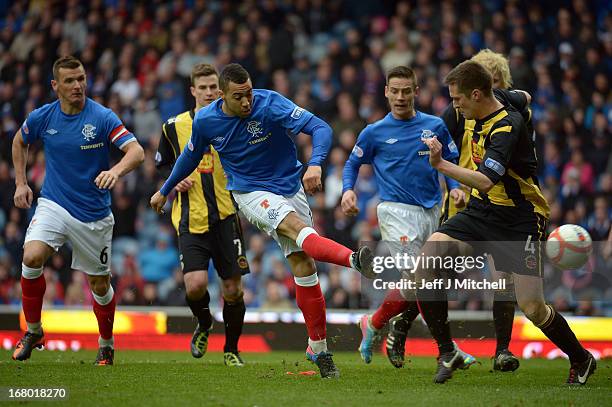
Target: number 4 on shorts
{"x": 529, "y": 246}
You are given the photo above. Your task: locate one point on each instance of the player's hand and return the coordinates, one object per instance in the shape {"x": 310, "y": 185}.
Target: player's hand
{"x": 459, "y": 197}
{"x": 23, "y": 196}
{"x": 435, "y": 150}
{"x": 349, "y": 203}
{"x": 157, "y": 202}
{"x": 184, "y": 185}
{"x": 106, "y": 179}
{"x": 312, "y": 179}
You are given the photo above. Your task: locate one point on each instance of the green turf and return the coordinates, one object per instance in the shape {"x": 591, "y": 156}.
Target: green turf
{"x": 171, "y": 378}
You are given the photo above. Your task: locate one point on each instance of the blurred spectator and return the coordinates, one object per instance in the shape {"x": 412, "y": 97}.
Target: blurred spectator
{"x": 78, "y": 292}
{"x": 147, "y": 122}
{"x": 583, "y": 169}
{"x": 126, "y": 86}
{"x": 159, "y": 262}
{"x": 131, "y": 284}
{"x": 335, "y": 294}
{"x": 598, "y": 224}
{"x": 6, "y": 285}
{"x": 149, "y": 294}
{"x": 276, "y": 297}
{"x": 175, "y": 295}
{"x": 54, "y": 293}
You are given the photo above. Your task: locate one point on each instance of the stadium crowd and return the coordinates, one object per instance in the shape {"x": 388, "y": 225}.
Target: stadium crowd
{"x": 330, "y": 58}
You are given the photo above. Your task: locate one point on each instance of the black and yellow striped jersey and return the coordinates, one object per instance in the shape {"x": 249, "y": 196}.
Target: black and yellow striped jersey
{"x": 462, "y": 132}
{"x": 207, "y": 201}
{"x": 457, "y": 127}
{"x": 503, "y": 150}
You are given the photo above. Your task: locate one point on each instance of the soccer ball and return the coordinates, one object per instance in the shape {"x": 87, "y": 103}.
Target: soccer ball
{"x": 569, "y": 247}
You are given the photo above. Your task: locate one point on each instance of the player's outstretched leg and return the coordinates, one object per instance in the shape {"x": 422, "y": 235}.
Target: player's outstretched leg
{"x": 326, "y": 250}
{"x": 529, "y": 295}
{"x": 104, "y": 309}
{"x": 33, "y": 288}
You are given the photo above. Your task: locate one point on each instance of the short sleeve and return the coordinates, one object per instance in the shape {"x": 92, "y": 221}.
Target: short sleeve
{"x": 363, "y": 150}
{"x": 287, "y": 113}
{"x": 30, "y": 129}
{"x": 118, "y": 134}
{"x": 166, "y": 154}
{"x": 514, "y": 98}
{"x": 199, "y": 142}
{"x": 503, "y": 139}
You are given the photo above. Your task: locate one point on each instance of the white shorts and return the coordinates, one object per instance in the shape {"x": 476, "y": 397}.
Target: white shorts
{"x": 406, "y": 227}
{"x": 267, "y": 210}
{"x": 91, "y": 242}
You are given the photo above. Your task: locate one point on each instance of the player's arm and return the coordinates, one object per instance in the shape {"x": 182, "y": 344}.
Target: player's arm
{"x": 361, "y": 154}
{"x": 186, "y": 163}
{"x": 467, "y": 177}
{"x": 23, "y": 194}
{"x": 165, "y": 157}
{"x": 133, "y": 156}
{"x": 450, "y": 152}
{"x": 296, "y": 119}
{"x": 503, "y": 138}
{"x": 321, "y": 135}
{"x": 123, "y": 139}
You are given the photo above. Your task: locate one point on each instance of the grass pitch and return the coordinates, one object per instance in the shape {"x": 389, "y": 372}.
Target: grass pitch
{"x": 174, "y": 378}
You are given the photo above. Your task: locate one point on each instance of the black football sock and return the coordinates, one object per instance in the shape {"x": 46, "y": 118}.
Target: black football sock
{"x": 559, "y": 332}
{"x": 408, "y": 316}
{"x": 233, "y": 318}
{"x": 503, "y": 318}
{"x": 200, "y": 309}
{"x": 434, "y": 309}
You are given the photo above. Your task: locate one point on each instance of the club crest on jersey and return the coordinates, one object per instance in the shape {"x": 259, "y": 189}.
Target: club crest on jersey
{"x": 254, "y": 128}
{"x": 89, "y": 132}
{"x": 426, "y": 133}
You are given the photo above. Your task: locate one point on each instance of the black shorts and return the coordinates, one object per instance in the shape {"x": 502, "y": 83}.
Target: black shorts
{"x": 513, "y": 236}
{"x": 223, "y": 243}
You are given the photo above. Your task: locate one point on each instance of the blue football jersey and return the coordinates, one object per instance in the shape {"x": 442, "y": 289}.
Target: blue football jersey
{"x": 400, "y": 159}
{"x": 258, "y": 152}
{"x": 76, "y": 150}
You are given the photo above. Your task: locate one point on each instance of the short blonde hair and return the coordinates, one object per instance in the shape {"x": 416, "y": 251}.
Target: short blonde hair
{"x": 497, "y": 64}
